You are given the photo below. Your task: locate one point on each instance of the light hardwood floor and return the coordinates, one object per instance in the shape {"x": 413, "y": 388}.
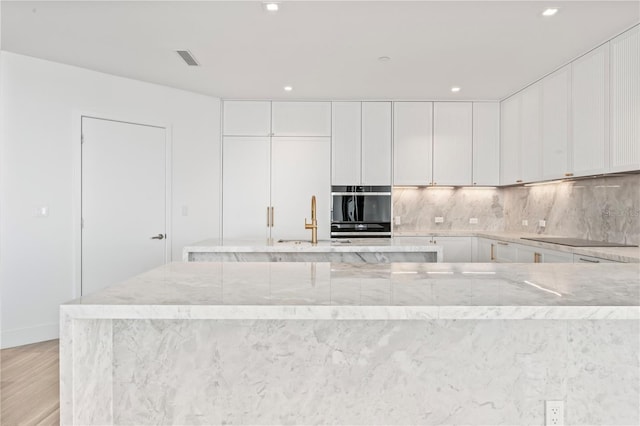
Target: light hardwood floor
{"x": 29, "y": 382}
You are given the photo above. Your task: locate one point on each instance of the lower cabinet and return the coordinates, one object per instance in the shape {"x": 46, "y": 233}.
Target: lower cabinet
{"x": 580, "y": 258}
{"x": 455, "y": 249}
{"x": 503, "y": 252}
{"x": 528, "y": 254}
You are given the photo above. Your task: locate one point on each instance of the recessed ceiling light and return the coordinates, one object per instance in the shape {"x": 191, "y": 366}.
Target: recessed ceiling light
{"x": 288, "y": 88}
{"x": 550, "y": 11}
{"x": 455, "y": 89}
{"x": 384, "y": 59}
{"x": 271, "y": 6}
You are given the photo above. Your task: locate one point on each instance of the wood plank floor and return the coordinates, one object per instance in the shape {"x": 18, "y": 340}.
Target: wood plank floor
{"x": 29, "y": 385}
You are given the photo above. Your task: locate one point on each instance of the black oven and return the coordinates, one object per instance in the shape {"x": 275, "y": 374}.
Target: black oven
{"x": 360, "y": 211}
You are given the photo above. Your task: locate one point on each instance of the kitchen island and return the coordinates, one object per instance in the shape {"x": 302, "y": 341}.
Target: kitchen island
{"x": 330, "y": 343}
{"x": 360, "y": 250}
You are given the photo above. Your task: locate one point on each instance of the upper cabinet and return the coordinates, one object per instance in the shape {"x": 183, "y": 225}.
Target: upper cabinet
{"x": 556, "y": 92}
{"x": 625, "y": 101}
{"x": 531, "y": 144}
{"x": 246, "y": 118}
{"x": 452, "y": 143}
{"x": 412, "y": 143}
{"x": 486, "y": 143}
{"x": 590, "y": 112}
{"x": 361, "y": 142}
{"x": 510, "y": 140}
{"x": 301, "y": 119}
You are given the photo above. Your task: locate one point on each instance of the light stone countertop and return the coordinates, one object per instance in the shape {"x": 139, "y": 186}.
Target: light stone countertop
{"x": 618, "y": 254}
{"x": 402, "y": 291}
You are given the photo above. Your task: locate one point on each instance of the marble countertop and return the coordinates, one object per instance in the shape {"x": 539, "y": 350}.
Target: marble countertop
{"x": 619, "y": 254}
{"x": 403, "y": 291}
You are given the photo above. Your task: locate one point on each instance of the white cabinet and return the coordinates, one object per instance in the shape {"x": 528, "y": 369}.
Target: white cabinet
{"x": 590, "y": 112}
{"x": 246, "y": 118}
{"x": 510, "y": 124}
{"x": 361, "y": 142}
{"x": 580, "y": 258}
{"x": 346, "y": 143}
{"x": 556, "y": 92}
{"x": 452, "y": 143}
{"x": 530, "y": 254}
{"x": 455, "y": 249}
{"x": 412, "y": 143}
{"x": 485, "y": 250}
{"x": 376, "y": 143}
{"x": 531, "y": 146}
{"x": 625, "y": 101}
{"x": 300, "y": 168}
{"x": 246, "y": 193}
{"x": 486, "y": 143}
{"x": 301, "y": 118}
{"x": 504, "y": 252}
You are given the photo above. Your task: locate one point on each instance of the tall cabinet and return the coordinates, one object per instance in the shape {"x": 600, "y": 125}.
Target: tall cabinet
{"x": 276, "y": 155}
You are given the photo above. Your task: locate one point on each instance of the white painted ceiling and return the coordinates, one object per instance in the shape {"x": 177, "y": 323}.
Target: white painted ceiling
{"x": 324, "y": 49}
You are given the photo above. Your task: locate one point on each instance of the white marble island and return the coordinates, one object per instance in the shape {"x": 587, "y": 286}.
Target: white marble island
{"x": 359, "y": 250}
{"x": 328, "y": 343}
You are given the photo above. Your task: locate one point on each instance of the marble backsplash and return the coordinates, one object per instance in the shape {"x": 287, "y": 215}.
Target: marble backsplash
{"x": 417, "y": 209}
{"x": 601, "y": 208}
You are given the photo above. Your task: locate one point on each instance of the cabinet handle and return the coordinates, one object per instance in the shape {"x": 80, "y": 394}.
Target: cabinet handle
{"x": 519, "y": 181}
{"x": 493, "y": 257}
{"x": 272, "y": 216}
{"x": 537, "y": 257}
{"x": 589, "y": 260}
{"x": 268, "y": 218}
{"x": 503, "y": 244}
{"x": 568, "y": 174}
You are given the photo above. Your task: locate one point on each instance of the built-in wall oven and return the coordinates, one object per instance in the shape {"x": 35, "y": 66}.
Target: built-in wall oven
{"x": 360, "y": 211}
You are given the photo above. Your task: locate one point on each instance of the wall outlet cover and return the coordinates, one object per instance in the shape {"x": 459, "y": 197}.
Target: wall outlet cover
{"x": 542, "y": 223}
{"x": 525, "y": 222}
{"x": 473, "y": 220}
{"x": 397, "y": 221}
{"x": 439, "y": 219}
{"x": 554, "y": 413}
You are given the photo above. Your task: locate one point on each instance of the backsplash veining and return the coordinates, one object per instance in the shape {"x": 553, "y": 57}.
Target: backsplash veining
{"x": 418, "y": 208}
{"x": 603, "y": 209}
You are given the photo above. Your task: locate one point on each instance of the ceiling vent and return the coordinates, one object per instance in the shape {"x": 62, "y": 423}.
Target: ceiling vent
{"x": 188, "y": 58}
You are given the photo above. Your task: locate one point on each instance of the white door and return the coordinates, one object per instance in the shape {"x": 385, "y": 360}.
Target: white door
{"x": 376, "y": 143}
{"x": 300, "y": 168}
{"x": 412, "y": 143}
{"x": 555, "y": 123}
{"x": 531, "y": 145}
{"x": 246, "y": 118}
{"x": 346, "y": 145}
{"x": 510, "y": 124}
{"x": 486, "y": 143}
{"x": 301, "y": 118}
{"x": 123, "y": 201}
{"x": 245, "y": 187}
{"x": 452, "y": 144}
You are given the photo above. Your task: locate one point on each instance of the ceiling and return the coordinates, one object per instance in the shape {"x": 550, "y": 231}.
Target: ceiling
{"x": 324, "y": 49}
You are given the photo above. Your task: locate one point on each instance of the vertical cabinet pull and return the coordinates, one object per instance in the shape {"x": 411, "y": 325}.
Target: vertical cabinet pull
{"x": 268, "y": 218}
{"x": 537, "y": 258}
{"x": 493, "y": 257}
{"x": 272, "y": 222}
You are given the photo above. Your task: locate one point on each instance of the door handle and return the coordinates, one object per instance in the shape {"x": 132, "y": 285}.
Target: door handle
{"x": 158, "y": 237}
{"x": 272, "y": 217}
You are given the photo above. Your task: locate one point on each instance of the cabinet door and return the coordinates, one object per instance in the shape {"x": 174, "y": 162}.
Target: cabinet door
{"x": 555, "y": 124}
{"x": 452, "y": 143}
{"x": 485, "y": 250}
{"x": 505, "y": 252}
{"x": 300, "y": 168}
{"x": 345, "y": 142}
{"x": 531, "y": 149}
{"x": 590, "y": 110}
{"x": 486, "y": 143}
{"x": 625, "y": 101}
{"x": 301, "y": 118}
{"x": 412, "y": 143}
{"x": 376, "y": 143}
{"x": 454, "y": 249}
{"x": 245, "y": 187}
{"x": 246, "y": 118}
{"x": 510, "y": 141}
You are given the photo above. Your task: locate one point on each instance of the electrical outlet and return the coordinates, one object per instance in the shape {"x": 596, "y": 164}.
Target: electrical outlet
{"x": 439, "y": 219}
{"x": 525, "y": 222}
{"x": 542, "y": 223}
{"x": 473, "y": 220}
{"x": 554, "y": 413}
{"x": 397, "y": 221}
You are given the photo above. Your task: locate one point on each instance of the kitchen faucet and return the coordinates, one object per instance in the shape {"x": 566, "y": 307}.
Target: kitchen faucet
{"x": 314, "y": 222}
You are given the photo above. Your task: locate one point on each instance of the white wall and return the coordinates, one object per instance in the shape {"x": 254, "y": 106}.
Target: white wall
{"x": 39, "y": 161}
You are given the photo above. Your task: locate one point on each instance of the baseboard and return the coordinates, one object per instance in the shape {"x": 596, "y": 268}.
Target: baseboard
{"x": 27, "y": 335}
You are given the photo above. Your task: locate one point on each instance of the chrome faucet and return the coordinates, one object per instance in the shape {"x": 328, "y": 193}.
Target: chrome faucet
{"x": 314, "y": 222}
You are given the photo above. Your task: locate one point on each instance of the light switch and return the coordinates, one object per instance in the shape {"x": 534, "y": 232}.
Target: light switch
{"x": 396, "y": 220}
{"x": 439, "y": 219}
{"x": 473, "y": 220}
{"x": 542, "y": 223}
